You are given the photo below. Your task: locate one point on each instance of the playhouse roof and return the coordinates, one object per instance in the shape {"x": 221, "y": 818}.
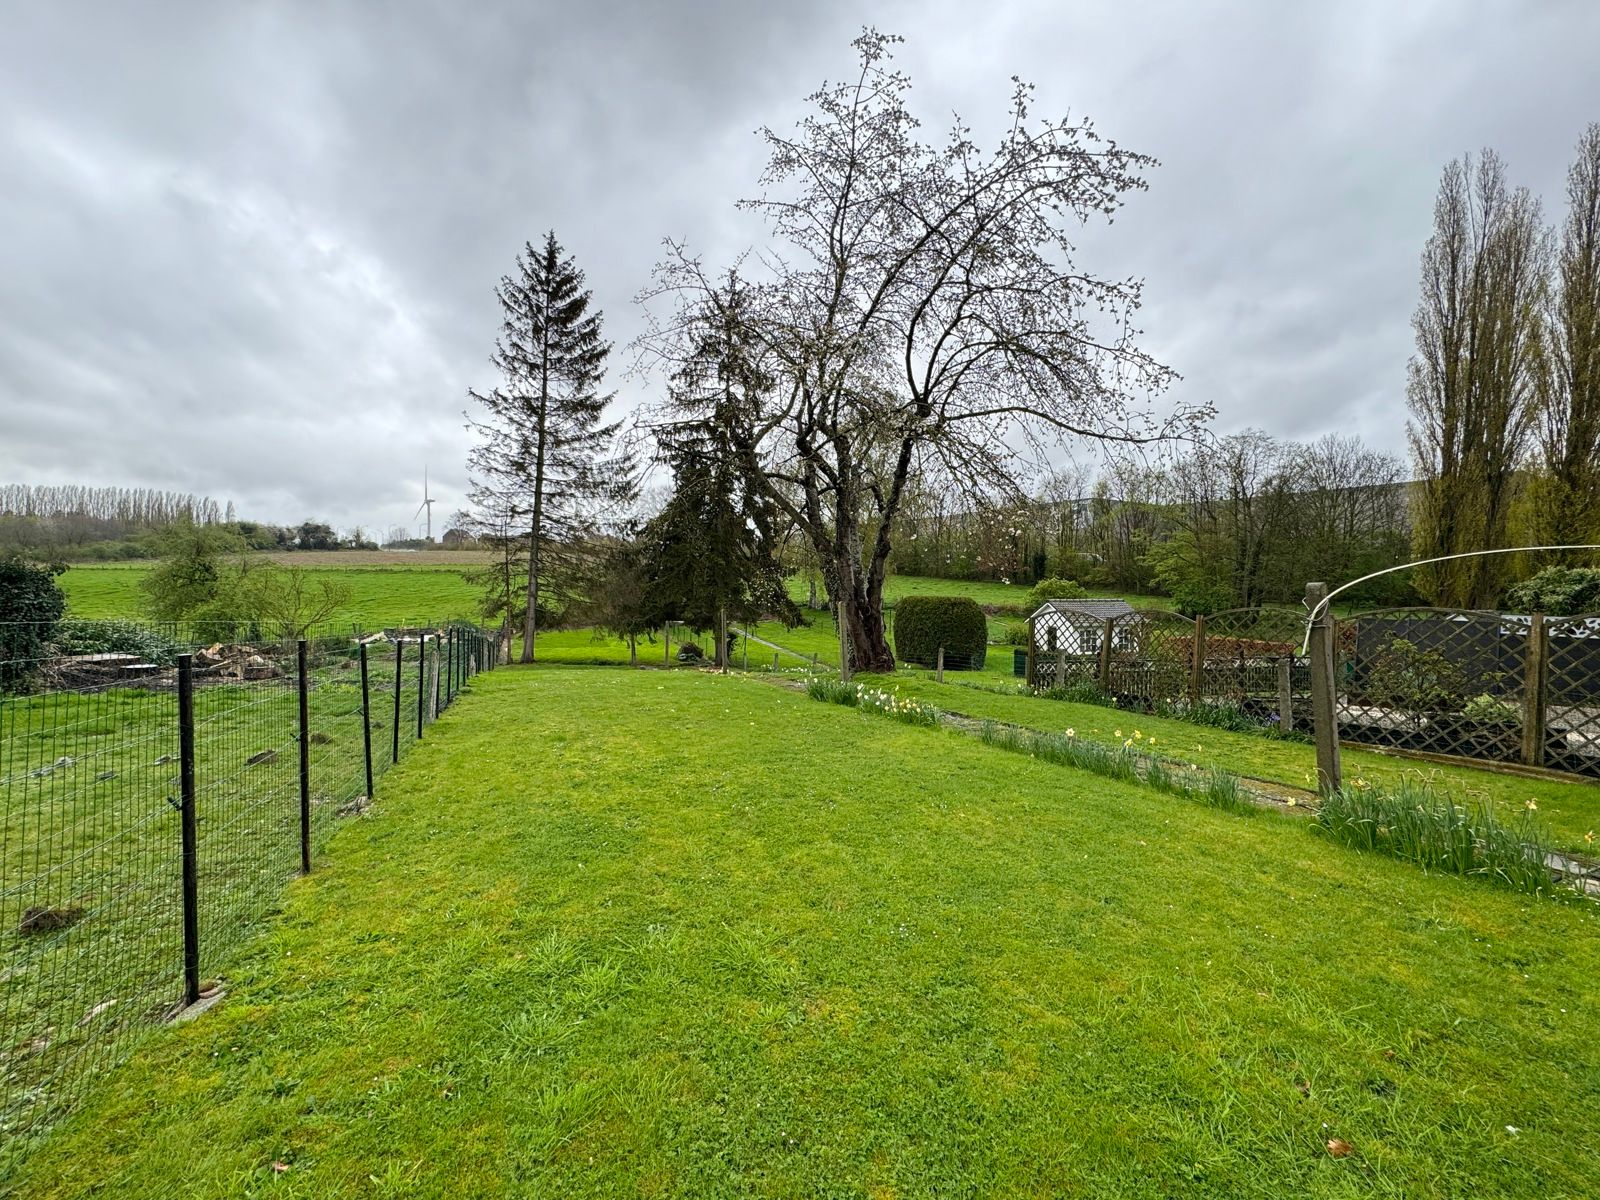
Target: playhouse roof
{"x": 1098, "y": 610}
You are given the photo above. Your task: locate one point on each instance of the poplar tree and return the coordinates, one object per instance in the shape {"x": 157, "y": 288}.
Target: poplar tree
{"x": 546, "y": 459}
{"x": 1473, "y": 382}
{"x": 1568, "y": 509}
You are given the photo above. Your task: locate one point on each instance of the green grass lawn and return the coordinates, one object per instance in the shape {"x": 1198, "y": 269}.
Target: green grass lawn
{"x": 379, "y": 596}
{"x": 1570, "y": 810}
{"x": 672, "y": 934}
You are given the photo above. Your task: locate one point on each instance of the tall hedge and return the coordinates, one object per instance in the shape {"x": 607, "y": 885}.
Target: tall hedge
{"x": 30, "y": 606}
{"x": 924, "y": 623}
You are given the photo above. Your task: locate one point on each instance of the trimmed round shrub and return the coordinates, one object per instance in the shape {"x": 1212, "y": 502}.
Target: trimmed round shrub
{"x": 924, "y": 623}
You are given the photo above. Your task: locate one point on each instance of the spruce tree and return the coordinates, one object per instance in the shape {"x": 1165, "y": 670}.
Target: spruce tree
{"x": 546, "y": 457}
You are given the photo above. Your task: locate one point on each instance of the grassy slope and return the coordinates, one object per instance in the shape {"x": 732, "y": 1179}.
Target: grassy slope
{"x": 670, "y": 934}
{"x": 1569, "y": 809}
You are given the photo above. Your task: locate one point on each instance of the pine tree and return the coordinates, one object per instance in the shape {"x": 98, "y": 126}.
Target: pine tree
{"x": 704, "y": 559}
{"x": 713, "y": 551}
{"x": 546, "y": 456}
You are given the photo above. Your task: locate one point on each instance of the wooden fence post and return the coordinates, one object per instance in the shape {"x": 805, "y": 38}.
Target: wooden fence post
{"x": 1105, "y": 655}
{"x": 844, "y": 643}
{"x": 1535, "y": 685}
{"x": 722, "y": 640}
{"x": 666, "y": 644}
{"x": 1033, "y": 650}
{"x": 939, "y": 670}
{"x": 1324, "y": 701}
{"x": 1285, "y": 697}
{"x": 1197, "y": 662}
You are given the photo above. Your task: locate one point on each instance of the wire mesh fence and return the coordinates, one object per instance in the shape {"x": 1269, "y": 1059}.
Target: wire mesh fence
{"x": 154, "y": 803}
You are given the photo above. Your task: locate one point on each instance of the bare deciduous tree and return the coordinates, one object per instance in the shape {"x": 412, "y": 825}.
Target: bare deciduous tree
{"x": 923, "y": 313}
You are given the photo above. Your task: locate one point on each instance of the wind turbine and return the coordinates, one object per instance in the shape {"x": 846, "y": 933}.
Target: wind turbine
{"x": 427, "y": 503}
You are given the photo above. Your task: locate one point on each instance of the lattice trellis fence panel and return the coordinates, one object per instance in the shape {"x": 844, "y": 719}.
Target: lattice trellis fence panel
{"x": 1441, "y": 681}
{"x": 1066, "y": 649}
{"x": 1250, "y": 654}
{"x": 1151, "y": 657}
{"x": 1572, "y": 694}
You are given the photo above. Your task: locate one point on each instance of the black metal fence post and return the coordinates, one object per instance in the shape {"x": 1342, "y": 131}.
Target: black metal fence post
{"x": 305, "y": 762}
{"x": 191, "y": 874}
{"x": 366, "y": 718}
{"x": 399, "y": 663}
{"x": 422, "y": 679}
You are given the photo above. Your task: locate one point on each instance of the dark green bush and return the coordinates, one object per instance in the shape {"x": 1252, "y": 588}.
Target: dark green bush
{"x": 30, "y": 606}
{"x": 1558, "y": 592}
{"x": 924, "y": 623}
{"x": 75, "y": 635}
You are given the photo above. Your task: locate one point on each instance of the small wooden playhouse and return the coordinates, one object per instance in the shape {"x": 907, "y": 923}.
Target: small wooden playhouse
{"x": 1065, "y": 638}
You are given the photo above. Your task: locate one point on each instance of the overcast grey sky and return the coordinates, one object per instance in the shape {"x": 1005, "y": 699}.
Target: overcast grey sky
{"x": 249, "y": 250}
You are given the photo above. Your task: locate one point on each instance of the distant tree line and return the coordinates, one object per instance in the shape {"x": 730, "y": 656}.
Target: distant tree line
{"x": 1232, "y": 522}
{"x": 109, "y": 523}
{"x": 93, "y": 522}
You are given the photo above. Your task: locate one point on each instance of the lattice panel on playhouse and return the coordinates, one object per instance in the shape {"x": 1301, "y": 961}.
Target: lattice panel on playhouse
{"x": 1246, "y": 651}
{"x": 1572, "y": 694}
{"x": 1066, "y": 649}
{"x": 1441, "y": 681}
{"x": 1151, "y": 657}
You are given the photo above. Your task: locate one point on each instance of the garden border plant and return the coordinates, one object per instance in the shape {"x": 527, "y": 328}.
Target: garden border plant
{"x": 1417, "y": 824}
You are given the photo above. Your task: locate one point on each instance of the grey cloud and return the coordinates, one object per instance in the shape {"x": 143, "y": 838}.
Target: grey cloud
{"x": 250, "y": 250}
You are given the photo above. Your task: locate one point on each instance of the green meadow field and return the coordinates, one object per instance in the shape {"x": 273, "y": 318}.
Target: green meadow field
{"x": 379, "y": 594}
{"x": 391, "y": 589}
